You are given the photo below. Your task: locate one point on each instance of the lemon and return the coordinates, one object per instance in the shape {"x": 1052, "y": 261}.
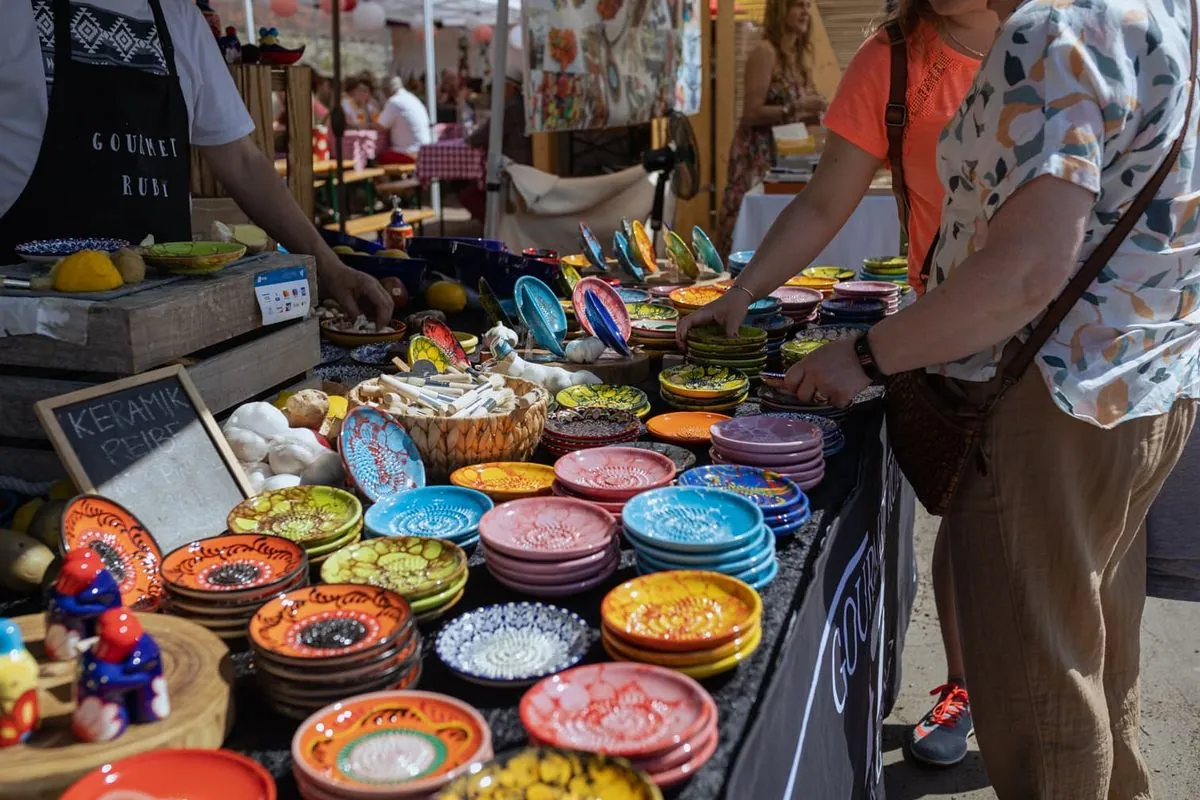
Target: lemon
{"x": 446, "y": 296}
{"x": 86, "y": 271}
{"x": 24, "y": 515}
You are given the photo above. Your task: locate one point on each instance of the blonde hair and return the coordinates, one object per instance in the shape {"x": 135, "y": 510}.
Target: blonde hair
{"x": 908, "y": 14}
{"x": 775, "y": 30}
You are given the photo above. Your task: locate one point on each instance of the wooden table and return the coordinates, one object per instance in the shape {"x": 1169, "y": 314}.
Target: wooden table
{"x": 367, "y": 176}
{"x": 321, "y": 166}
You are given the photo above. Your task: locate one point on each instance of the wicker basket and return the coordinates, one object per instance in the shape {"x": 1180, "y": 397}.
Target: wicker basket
{"x": 447, "y": 444}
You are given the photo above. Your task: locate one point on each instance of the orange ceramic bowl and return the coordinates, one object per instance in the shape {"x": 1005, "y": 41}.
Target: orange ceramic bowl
{"x": 330, "y": 621}
{"x": 234, "y": 566}
{"x": 127, "y": 549}
{"x": 191, "y": 773}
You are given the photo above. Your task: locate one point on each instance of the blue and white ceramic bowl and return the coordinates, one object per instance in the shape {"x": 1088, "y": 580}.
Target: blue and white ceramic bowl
{"x": 380, "y": 457}
{"x": 47, "y": 251}
{"x": 769, "y": 491}
{"x": 513, "y": 644}
{"x": 632, "y": 295}
{"x": 440, "y": 512}
{"x": 658, "y": 560}
{"x": 689, "y": 518}
{"x": 698, "y": 560}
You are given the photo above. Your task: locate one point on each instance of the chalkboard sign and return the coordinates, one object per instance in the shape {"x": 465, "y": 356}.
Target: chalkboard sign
{"x": 149, "y": 443}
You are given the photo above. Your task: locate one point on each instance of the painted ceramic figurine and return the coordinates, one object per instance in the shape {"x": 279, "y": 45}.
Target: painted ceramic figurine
{"x": 83, "y": 591}
{"x": 120, "y": 680}
{"x": 18, "y": 686}
{"x": 231, "y": 48}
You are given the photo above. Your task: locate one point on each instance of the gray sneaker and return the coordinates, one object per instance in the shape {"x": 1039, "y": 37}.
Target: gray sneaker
{"x": 940, "y": 738}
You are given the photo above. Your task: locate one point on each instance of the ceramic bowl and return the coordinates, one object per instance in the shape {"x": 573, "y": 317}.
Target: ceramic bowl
{"x": 768, "y": 490}
{"x": 547, "y": 528}
{"x": 680, "y": 255}
{"x": 626, "y": 257}
{"x": 692, "y": 519}
{"x": 557, "y": 589}
{"x": 233, "y": 566}
{"x": 664, "y": 560}
{"x": 662, "y": 611}
{"x": 649, "y": 311}
{"x": 703, "y": 382}
{"x": 550, "y": 570}
{"x": 591, "y": 424}
{"x": 837, "y": 273}
{"x": 772, "y": 461}
{"x": 702, "y": 671}
{"x": 694, "y": 297}
{"x": 613, "y": 473}
{"x": 531, "y": 293}
{"x": 123, "y": 544}
{"x": 630, "y": 296}
{"x": 766, "y": 434}
{"x": 415, "y": 567}
{"x": 643, "y": 247}
{"x": 683, "y": 658}
{"x": 623, "y": 398}
{"x": 48, "y": 251}
{"x": 379, "y": 455}
{"x": 506, "y": 480}
{"x": 321, "y": 623}
{"x": 444, "y": 512}
{"x": 172, "y": 772}
{"x": 446, "y": 340}
{"x": 682, "y": 457}
{"x": 614, "y": 507}
{"x": 608, "y": 297}
{"x": 513, "y": 644}
{"x": 706, "y": 250}
{"x": 713, "y": 334}
{"x": 575, "y": 579}
{"x": 307, "y": 515}
{"x": 555, "y": 772}
{"x": 685, "y": 427}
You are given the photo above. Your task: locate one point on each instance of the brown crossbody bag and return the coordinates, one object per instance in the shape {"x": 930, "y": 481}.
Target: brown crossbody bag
{"x": 935, "y": 435}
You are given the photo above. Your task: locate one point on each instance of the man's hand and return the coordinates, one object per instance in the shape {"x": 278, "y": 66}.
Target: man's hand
{"x": 356, "y": 292}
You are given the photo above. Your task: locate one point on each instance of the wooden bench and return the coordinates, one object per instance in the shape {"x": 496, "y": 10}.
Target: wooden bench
{"x": 398, "y": 170}
{"x": 374, "y": 223}
{"x": 398, "y": 187}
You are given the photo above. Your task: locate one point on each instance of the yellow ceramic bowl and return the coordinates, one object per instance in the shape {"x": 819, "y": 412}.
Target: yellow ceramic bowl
{"x": 552, "y": 773}
{"x": 576, "y": 260}
{"x": 469, "y": 341}
{"x": 837, "y": 273}
{"x": 691, "y": 658}
{"x": 822, "y": 285}
{"x": 693, "y": 297}
{"x": 681, "y": 610}
{"x": 505, "y": 480}
{"x": 698, "y": 671}
{"x": 703, "y": 382}
{"x": 303, "y": 514}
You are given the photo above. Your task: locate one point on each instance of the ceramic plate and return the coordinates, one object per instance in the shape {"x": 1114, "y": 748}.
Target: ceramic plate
{"x": 692, "y": 297}
{"x": 547, "y": 528}
{"x": 379, "y": 455}
{"x": 688, "y": 518}
{"x": 608, "y": 297}
{"x": 591, "y": 247}
{"x": 234, "y": 563}
{"x": 505, "y": 479}
{"x": 624, "y": 398}
{"x": 624, "y": 709}
{"x": 681, "y": 610}
{"x": 768, "y": 490}
{"x": 422, "y": 348}
{"x": 625, "y": 256}
{"x": 529, "y": 289}
{"x": 629, "y": 296}
{"x": 413, "y": 566}
{"x": 445, "y": 512}
{"x": 329, "y": 621}
{"x": 556, "y": 774}
{"x": 48, "y": 251}
{"x": 383, "y": 743}
{"x": 613, "y": 472}
{"x": 681, "y": 256}
{"x": 689, "y": 427}
{"x": 823, "y": 285}
{"x": 582, "y": 425}
{"x": 491, "y": 305}
{"x": 740, "y": 260}
{"x": 540, "y": 327}
{"x": 684, "y": 560}
{"x": 705, "y": 249}
{"x": 127, "y": 549}
{"x": 302, "y": 514}
{"x": 378, "y": 354}
{"x": 513, "y": 643}
{"x": 647, "y": 310}
{"x": 837, "y": 273}
{"x": 604, "y": 326}
{"x": 683, "y": 458}
{"x": 711, "y": 334}
{"x": 796, "y": 297}
{"x": 616, "y": 648}
{"x": 704, "y": 383}
{"x": 440, "y": 334}
{"x": 767, "y": 434}
{"x": 768, "y": 461}
{"x": 193, "y": 257}
{"x": 683, "y": 404}
{"x": 172, "y": 772}
{"x": 643, "y": 247}
{"x": 765, "y": 552}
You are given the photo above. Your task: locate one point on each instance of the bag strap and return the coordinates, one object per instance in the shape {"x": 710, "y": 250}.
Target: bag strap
{"x": 895, "y": 118}
{"x": 1058, "y": 310}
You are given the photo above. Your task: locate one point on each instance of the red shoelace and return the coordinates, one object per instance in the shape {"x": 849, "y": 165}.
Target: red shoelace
{"x": 953, "y": 703}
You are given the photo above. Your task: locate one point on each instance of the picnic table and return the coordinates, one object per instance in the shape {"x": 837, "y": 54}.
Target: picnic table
{"x": 321, "y": 166}
{"x": 451, "y": 160}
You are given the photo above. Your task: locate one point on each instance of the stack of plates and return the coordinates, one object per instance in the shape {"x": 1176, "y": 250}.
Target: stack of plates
{"x": 822, "y": 285}
{"x": 221, "y": 582}
{"x": 444, "y": 512}
{"x": 891, "y": 268}
{"x": 396, "y": 744}
{"x": 738, "y": 261}
{"x": 837, "y": 273}
{"x": 809, "y": 339}
{"x": 778, "y": 327}
{"x": 684, "y": 427}
{"x": 553, "y": 773}
{"x": 831, "y": 432}
{"x": 513, "y": 644}
{"x": 430, "y": 574}
{"x": 468, "y": 341}
{"x": 799, "y": 304}
{"x": 888, "y": 293}
{"x": 610, "y": 476}
{"x": 771, "y": 399}
{"x": 763, "y": 308}
{"x": 505, "y": 480}
{"x": 690, "y": 298}
{"x": 842, "y": 311}
{"x": 550, "y": 546}
{"x": 663, "y": 722}
{"x": 654, "y": 335}
{"x": 571, "y": 429}
{"x": 320, "y": 519}
{"x": 791, "y": 447}
{"x": 708, "y": 345}
{"x": 696, "y": 387}
{"x": 651, "y": 311}
{"x": 783, "y": 502}
{"x": 700, "y": 528}
{"x": 600, "y": 395}
{"x": 653, "y": 619}
{"x": 318, "y": 645}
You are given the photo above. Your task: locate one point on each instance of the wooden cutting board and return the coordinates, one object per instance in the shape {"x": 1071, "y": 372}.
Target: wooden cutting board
{"x": 199, "y": 678}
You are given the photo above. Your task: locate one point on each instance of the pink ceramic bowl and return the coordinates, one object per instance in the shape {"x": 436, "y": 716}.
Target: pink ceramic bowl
{"x": 549, "y": 569}
{"x": 613, "y": 473}
{"x": 556, "y": 589}
{"x": 547, "y": 528}
{"x": 515, "y": 571}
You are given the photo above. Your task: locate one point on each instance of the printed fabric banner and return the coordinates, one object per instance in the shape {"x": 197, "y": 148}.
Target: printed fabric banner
{"x": 609, "y": 63}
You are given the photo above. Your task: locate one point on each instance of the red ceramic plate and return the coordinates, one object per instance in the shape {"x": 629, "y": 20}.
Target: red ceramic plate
{"x": 703, "y": 753}
{"x": 329, "y": 621}
{"x": 547, "y": 528}
{"x": 618, "y": 708}
{"x": 127, "y": 549}
{"x": 176, "y": 773}
{"x": 614, "y": 473}
{"x": 446, "y": 341}
{"x": 235, "y": 563}
{"x": 608, "y": 297}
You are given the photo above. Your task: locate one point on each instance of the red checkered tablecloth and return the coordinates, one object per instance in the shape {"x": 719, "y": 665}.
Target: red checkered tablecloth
{"x": 360, "y": 147}
{"x": 451, "y": 160}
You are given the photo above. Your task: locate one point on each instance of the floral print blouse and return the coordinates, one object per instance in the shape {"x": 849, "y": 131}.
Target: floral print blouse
{"x": 1092, "y": 93}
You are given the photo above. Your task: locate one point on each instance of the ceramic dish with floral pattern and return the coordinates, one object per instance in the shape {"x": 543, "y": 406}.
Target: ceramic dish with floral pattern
{"x": 379, "y": 455}
{"x": 505, "y": 480}
{"x": 623, "y": 398}
{"x": 307, "y": 515}
{"x": 703, "y": 382}
{"x": 645, "y": 310}
{"x": 233, "y": 565}
{"x": 681, "y": 610}
{"x": 691, "y": 298}
{"x": 415, "y": 567}
{"x": 513, "y": 644}
{"x": 547, "y": 528}
{"x": 123, "y": 544}
{"x": 330, "y": 621}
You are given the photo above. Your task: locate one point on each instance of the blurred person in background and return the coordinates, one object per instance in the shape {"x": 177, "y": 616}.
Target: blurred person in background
{"x": 405, "y": 121}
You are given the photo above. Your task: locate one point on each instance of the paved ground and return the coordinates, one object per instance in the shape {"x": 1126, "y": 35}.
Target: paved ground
{"x": 1170, "y": 699}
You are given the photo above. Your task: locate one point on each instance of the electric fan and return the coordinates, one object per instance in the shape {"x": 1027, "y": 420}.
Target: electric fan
{"x": 676, "y": 162}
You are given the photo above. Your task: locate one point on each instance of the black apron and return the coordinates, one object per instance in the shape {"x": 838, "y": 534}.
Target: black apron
{"x": 115, "y": 156}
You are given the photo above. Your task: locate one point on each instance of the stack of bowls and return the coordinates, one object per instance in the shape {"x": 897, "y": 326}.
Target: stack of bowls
{"x": 430, "y": 574}
{"x": 774, "y": 400}
{"x": 799, "y": 304}
{"x": 700, "y": 528}
{"x": 610, "y": 476}
{"x": 747, "y": 353}
{"x": 444, "y": 512}
{"x": 888, "y": 293}
{"x": 778, "y": 328}
{"x": 693, "y": 387}
{"x": 671, "y": 730}
{"x": 831, "y": 432}
{"x": 402, "y": 745}
{"x": 221, "y": 582}
{"x": 506, "y": 480}
{"x": 809, "y": 339}
{"x": 468, "y": 341}
{"x": 893, "y": 269}
{"x": 692, "y": 298}
{"x": 653, "y": 619}
{"x": 738, "y": 261}
{"x": 837, "y": 273}
{"x": 600, "y": 395}
{"x": 783, "y": 502}
{"x": 550, "y": 546}
{"x": 318, "y": 645}
{"x": 764, "y": 308}
{"x": 654, "y": 335}
{"x": 320, "y": 519}
{"x": 843, "y": 311}
{"x": 822, "y": 285}
{"x": 791, "y": 447}
{"x": 571, "y": 429}
{"x": 647, "y": 310}
{"x": 555, "y": 774}
{"x": 513, "y": 644}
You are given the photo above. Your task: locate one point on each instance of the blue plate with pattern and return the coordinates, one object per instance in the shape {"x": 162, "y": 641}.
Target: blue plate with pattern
{"x": 763, "y": 581}
{"x": 380, "y": 457}
{"x": 377, "y": 354}
{"x": 739, "y": 260}
{"x": 47, "y": 251}
{"x": 693, "y": 519}
{"x": 331, "y": 353}
{"x": 665, "y": 560}
{"x": 704, "y": 246}
{"x": 625, "y": 258}
{"x": 441, "y": 512}
{"x": 539, "y": 329}
{"x": 792, "y": 527}
{"x": 592, "y": 248}
{"x": 768, "y": 490}
{"x": 766, "y": 306}
{"x": 603, "y": 325}
{"x": 513, "y": 644}
{"x": 632, "y": 295}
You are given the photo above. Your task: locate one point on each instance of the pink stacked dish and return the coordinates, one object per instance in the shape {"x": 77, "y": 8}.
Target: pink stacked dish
{"x": 799, "y": 304}
{"x": 791, "y": 447}
{"x": 609, "y": 476}
{"x": 550, "y": 546}
{"x": 886, "y": 291}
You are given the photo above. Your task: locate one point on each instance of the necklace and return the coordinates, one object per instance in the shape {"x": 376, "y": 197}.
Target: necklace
{"x": 971, "y": 51}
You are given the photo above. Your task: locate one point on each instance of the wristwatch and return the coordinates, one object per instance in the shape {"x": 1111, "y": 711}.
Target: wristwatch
{"x": 866, "y": 360}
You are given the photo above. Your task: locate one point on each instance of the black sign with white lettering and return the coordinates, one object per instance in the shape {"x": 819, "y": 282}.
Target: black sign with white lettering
{"x": 149, "y": 443}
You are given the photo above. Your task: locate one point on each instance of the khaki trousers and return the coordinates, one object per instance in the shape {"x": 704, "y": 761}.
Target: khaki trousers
{"x": 1048, "y": 547}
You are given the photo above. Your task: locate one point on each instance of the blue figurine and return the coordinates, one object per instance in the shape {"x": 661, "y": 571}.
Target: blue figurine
{"x": 120, "y": 680}
{"x": 83, "y": 591}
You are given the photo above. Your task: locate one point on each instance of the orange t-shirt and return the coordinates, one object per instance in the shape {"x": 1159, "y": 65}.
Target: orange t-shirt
{"x": 938, "y": 80}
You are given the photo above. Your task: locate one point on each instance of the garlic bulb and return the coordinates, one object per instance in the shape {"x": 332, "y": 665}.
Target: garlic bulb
{"x": 500, "y": 333}
{"x": 584, "y": 351}
{"x": 262, "y": 418}
{"x": 248, "y": 447}
{"x": 280, "y": 482}
{"x": 290, "y": 457}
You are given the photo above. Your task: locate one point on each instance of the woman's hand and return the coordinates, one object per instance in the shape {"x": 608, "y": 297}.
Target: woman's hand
{"x": 830, "y": 374}
{"x": 728, "y": 311}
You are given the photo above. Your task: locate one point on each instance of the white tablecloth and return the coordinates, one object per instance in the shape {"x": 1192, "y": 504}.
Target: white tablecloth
{"x": 872, "y": 230}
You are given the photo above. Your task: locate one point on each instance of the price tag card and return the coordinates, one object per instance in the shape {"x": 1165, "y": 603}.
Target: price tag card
{"x": 282, "y": 294}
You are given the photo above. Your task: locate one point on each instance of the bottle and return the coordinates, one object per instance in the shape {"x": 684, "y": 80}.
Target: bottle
{"x": 398, "y": 232}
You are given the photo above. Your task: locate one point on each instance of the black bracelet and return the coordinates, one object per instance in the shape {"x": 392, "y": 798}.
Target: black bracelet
{"x": 866, "y": 360}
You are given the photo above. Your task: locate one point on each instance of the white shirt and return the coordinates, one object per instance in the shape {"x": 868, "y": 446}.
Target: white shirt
{"x": 115, "y": 31}
{"x": 408, "y": 121}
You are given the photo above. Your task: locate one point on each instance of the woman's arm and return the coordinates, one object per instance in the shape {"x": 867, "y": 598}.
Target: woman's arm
{"x": 755, "y": 110}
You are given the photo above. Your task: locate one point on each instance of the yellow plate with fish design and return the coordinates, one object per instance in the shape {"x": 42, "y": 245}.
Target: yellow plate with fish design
{"x": 423, "y": 348}
{"x": 625, "y": 398}
{"x": 681, "y": 610}
{"x": 703, "y": 382}
{"x": 505, "y": 480}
